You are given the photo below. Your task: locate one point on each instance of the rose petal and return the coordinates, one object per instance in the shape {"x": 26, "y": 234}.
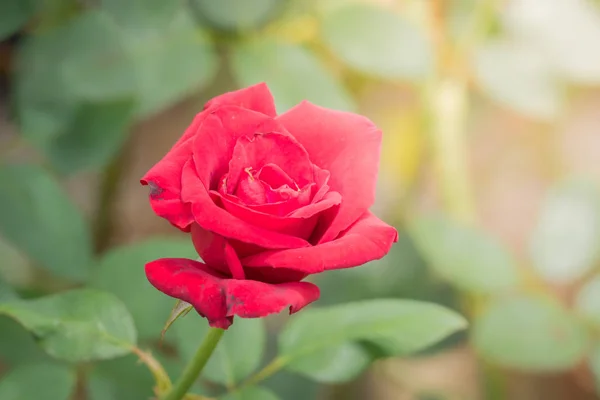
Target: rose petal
{"x": 366, "y": 240}
{"x": 345, "y": 144}
{"x": 219, "y": 299}
{"x": 255, "y": 98}
{"x": 164, "y": 179}
{"x": 260, "y": 149}
{"x": 274, "y": 176}
{"x": 217, "y": 252}
{"x": 215, "y": 219}
{"x": 301, "y": 223}
{"x": 217, "y": 136}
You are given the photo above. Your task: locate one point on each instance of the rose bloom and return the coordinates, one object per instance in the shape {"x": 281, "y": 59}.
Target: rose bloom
{"x": 269, "y": 200}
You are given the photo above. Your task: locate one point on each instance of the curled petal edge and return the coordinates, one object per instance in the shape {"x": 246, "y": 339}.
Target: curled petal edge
{"x": 219, "y": 299}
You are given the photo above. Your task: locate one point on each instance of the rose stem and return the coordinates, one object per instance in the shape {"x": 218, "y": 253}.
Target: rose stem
{"x": 195, "y": 366}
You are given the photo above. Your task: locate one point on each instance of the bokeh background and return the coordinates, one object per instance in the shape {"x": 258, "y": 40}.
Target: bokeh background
{"x": 490, "y": 170}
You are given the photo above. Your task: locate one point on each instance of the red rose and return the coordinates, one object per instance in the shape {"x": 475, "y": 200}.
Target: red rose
{"x": 269, "y": 200}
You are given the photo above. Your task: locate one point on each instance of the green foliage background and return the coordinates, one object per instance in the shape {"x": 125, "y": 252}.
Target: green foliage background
{"x": 487, "y": 171}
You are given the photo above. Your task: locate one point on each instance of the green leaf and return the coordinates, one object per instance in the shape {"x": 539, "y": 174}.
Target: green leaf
{"x": 339, "y": 363}
{"x": 82, "y": 60}
{"x": 238, "y": 354}
{"x": 466, "y": 257}
{"x": 520, "y": 77}
{"x": 378, "y": 41}
{"x": 564, "y": 243}
{"x": 17, "y": 346}
{"x": 530, "y": 333}
{"x": 291, "y": 386}
{"x": 171, "y": 62}
{"x": 79, "y": 325}
{"x": 236, "y": 14}
{"x": 6, "y": 292}
{"x": 15, "y": 268}
{"x": 38, "y": 381}
{"x": 124, "y": 378}
{"x": 393, "y": 327}
{"x": 99, "y": 58}
{"x": 97, "y": 66}
{"x": 132, "y": 287}
{"x": 93, "y": 138}
{"x": 37, "y": 217}
{"x": 251, "y": 393}
{"x": 13, "y": 15}
{"x": 292, "y": 72}
{"x": 587, "y": 301}
{"x": 144, "y": 13}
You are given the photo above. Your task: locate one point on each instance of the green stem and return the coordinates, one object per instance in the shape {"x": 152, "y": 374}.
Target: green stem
{"x": 195, "y": 366}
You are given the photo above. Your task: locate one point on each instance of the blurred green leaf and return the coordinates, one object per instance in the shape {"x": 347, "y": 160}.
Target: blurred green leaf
{"x": 38, "y": 381}
{"x": 6, "y": 292}
{"x": 93, "y": 138}
{"x": 520, "y": 77}
{"x": 334, "y": 364}
{"x": 38, "y": 218}
{"x": 91, "y": 68}
{"x": 587, "y": 301}
{"x": 378, "y": 41}
{"x": 238, "y": 354}
{"x": 17, "y": 345}
{"x": 292, "y": 72}
{"x": 291, "y": 386}
{"x": 565, "y": 244}
{"x": 132, "y": 287}
{"x": 530, "y": 333}
{"x": 79, "y": 325}
{"x": 251, "y": 393}
{"x": 236, "y": 14}
{"x": 171, "y": 62}
{"x": 14, "y": 14}
{"x": 466, "y": 257}
{"x": 97, "y": 65}
{"x": 142, "y": 13}
{"x": 102, "y": 388}
{"x": 393, "y": 327}
{"x": 124, "y": 378}
{"x": 15, "y": 269}
{"x": 567, "y": 30}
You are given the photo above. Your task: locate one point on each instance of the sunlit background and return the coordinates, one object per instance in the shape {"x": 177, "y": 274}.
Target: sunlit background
{"x": 490, "y": 170}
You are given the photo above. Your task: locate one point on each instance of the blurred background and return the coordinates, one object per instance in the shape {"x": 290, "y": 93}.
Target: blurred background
{"x": 490, "y": 171}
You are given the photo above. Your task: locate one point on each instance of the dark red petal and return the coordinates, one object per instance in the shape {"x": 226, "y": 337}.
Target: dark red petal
{"x": 258, "y": 150}
{"x": 301, "y": 223}
{"x": 215, "y": 219}
{"x": 321, "y": 186}
{"x": 217, "y": 136}
{"x": 255, "y": 98}
{"x": 366, "y": 240}
{"x": 249, "y": 191}
{"x": 345, "y": 144}
{"x": 219, "y": 299}
{"x": 164, "y": 179}
{"x": 217, "y": 252}
{"x": 274, "y": 176}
